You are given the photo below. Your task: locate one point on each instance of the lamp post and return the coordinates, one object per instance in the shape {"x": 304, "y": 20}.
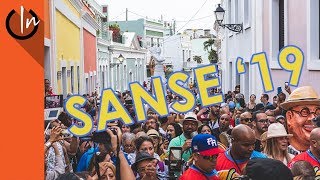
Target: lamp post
{"x": 219, "y": 12}
{"x": 119, "y": 61}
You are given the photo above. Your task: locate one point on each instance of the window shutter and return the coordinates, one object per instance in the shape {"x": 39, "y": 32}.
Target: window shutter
{"x": 281, "y": 24}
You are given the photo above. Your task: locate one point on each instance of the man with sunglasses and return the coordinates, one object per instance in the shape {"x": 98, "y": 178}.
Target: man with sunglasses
{"x": 302, "y": 106}
{"x": 246, "y": 118}
{"x": 204, "y": 153}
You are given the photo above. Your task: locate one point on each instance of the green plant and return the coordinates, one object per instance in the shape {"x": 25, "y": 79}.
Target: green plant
{"x": 198, "y": 59}
{"x": 213, "y": 56}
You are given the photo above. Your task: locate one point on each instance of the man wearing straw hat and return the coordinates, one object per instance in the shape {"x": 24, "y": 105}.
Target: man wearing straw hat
{"x": 302, "y": 106}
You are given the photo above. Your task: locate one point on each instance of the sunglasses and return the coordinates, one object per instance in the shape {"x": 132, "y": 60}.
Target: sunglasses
{"x": 210, "y": 158}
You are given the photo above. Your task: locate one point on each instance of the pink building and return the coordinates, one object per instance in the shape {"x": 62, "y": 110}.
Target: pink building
{"x": 296, "y": 23}
{"x": 268, "y": 26}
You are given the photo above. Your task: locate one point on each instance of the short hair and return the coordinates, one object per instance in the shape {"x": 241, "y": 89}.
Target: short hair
{"x": 177, "y": 128}
{"x": 253, "y": 95}
{"x": 138, "y": 142}
{"x": 128, "y": 136}
{"x": 254, "y": 114}
{"x": 302, "y": 168}
{"x": 265, "y": 96}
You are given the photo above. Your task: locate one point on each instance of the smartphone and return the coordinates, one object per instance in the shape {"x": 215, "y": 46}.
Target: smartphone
{"x": 286, "y": 84}
{"x": 279, "y": 90}
{"x": 175, "y": 153}
{"x": 175, "y": 159}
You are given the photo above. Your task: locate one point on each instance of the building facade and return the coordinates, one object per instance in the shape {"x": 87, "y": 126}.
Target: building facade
{"x": 66, "y": 59}
{"x": 269, "y": 26}
{"x": 133, "y": 65}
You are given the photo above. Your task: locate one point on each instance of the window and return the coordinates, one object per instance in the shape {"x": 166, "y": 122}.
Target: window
{"x": 246, "y": 13}
{"x": 182, "y": 55}
{"x": 281, "y": 24}
{"x": 313, "y": 35}
{"x": 78, "y": 79}
{"x": 229, "y": 12}
{"x": 236, "y": 12}
{"x": 87, "y": 85}
{"x": 64, "y": 81}
{"x": 278, "y": 26}
{"x": 152, "y": 42}
{"x": 72, "y": 80}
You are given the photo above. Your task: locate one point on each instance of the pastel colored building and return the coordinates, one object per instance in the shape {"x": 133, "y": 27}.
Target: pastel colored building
{"x": 66, "y": 38}
{"x": 90, "y": 27}
{"x": 268, "y": 26}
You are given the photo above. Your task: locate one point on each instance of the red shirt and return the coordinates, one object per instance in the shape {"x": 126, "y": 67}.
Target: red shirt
{"x": 225, "y": 162}
{"x": 309, "y": 157}
{"x": 194, "y": 173}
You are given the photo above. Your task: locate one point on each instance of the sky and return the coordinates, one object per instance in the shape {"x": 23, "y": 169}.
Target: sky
{"x": 199, "y": 13}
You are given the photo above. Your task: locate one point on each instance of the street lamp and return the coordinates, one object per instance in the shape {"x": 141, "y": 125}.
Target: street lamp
{"x": 120, "y": 58}
{"x": 119, "y": 61}
{"x": 219, "y": 12}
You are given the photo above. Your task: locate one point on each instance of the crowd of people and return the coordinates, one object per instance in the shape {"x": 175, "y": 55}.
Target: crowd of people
{"x": 231, "y": 140}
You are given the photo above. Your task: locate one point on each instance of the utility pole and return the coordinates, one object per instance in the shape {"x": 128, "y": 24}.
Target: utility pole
{"x": 126, "y": 14}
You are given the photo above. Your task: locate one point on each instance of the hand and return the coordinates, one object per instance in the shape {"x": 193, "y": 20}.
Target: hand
{"x": 287, "y": 88}
{"x": 203, "y": 110}
{"x": 186, "y": 145}
{"x": 114, "y": 143}
{"x": 55, "y": 134}
{"x": 165, "y": 144}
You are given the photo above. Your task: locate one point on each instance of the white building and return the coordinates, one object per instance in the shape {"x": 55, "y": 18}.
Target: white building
{"x": 133, "y": 67}
{"x": 244, "y": 44}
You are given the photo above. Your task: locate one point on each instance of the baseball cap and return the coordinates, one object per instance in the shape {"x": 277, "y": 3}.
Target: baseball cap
{"x": 205, "y": 145}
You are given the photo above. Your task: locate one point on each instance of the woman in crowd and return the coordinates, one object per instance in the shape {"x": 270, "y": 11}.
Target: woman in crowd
{"x": 107, "y": 171}
{"x": 252, "y": 103}
{"x": 204, "y": 129}
{"x": 145, "y": 143}
{"x": 174, "y": 130}
{"x": 154, "y": 135}
{"x": 277, "y": 143}
{"x": 128, "y": 146}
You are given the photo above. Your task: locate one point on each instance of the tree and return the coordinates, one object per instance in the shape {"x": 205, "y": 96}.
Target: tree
{"x": 198, "y": 59}
{"x": 213, "y": 56}
{"x": 207, "y": 44}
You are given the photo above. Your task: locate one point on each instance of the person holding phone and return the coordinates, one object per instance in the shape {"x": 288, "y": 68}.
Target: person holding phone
{"x": 205, "y": 151}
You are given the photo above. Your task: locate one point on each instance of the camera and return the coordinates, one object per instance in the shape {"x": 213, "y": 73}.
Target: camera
{"x": 316, "y": 121}
{"x": 66, "y": 133}
{"x": 174, "y": 162}
{"x": 102, "y": 137}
